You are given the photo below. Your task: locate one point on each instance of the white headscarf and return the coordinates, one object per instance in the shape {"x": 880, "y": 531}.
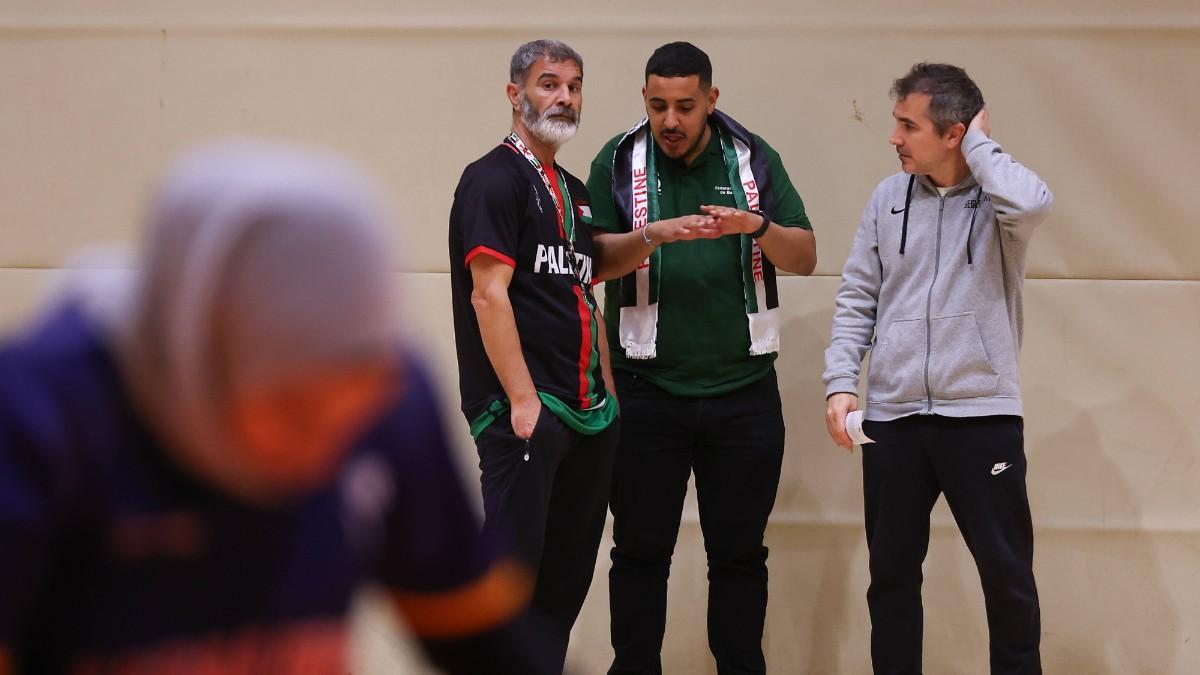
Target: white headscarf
{"x": 261, "y": 262}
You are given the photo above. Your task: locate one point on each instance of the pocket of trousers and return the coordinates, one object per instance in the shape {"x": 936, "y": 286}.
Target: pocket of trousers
{"x": 539, "y": 432}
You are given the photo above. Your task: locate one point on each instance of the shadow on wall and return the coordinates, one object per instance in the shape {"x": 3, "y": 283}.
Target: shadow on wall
{"x": 1105, "y": 605}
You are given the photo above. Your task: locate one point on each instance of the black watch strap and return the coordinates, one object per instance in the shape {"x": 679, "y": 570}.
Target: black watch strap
{"x": 765, "y": 224}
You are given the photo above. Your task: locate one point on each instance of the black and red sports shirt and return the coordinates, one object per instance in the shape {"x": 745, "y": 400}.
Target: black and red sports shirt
{"x": 503, "y": 209}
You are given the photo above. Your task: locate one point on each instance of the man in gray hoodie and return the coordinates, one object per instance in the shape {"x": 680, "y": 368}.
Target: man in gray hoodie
{"x": 935, "y": 276}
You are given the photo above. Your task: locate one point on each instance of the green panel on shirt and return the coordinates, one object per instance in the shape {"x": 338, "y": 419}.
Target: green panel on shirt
{"x": 703, "y": 339}
{"x": 587, "y": 422}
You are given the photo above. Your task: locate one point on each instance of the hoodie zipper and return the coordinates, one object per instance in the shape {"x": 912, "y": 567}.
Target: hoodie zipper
{"x": 937, "y": 259}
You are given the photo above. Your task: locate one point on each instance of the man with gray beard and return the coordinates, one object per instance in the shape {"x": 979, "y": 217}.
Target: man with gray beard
{"x": 532, "y": 356}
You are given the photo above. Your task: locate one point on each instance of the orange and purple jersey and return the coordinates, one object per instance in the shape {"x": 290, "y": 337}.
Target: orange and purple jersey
{"x": 114, "y": 560}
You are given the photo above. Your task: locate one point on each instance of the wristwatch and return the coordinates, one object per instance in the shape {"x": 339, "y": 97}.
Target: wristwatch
{"x": 763, "y": 229}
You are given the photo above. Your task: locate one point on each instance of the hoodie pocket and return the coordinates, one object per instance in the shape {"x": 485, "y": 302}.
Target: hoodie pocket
{"x": 897, "y": 368}
{"x": 958, "y": 363}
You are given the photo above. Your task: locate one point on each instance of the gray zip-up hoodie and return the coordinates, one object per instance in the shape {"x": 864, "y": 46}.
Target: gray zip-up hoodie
{"x": 937, "y": 281}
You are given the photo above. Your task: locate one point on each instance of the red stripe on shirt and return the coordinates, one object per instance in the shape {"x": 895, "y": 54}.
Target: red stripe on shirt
{"x": 585, "y": 348}
{"x": 484, "y": 250}
{"x": 585, "y": 316}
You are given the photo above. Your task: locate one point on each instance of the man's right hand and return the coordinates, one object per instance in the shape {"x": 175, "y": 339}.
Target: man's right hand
{"x": 683, "y": 228}
{"x": 836, "y": 408}
{"x": 524, "y": 416}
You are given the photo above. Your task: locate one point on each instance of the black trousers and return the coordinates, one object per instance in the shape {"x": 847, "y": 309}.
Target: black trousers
{"x": 734, "y": 444}
{"x": 550, "y": 503}
{"x": 979, "y": 464}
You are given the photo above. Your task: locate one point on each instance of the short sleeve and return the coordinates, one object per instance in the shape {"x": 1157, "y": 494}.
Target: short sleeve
{"x": 488, "y": 209}
{"x": 599, "y": 186}
{"x": 789, "y": 207}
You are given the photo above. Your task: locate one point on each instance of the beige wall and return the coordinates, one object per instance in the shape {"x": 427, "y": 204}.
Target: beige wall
{"x": 1101, "y": 100}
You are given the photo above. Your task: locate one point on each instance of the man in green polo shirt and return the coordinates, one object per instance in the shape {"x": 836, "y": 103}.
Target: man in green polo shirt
{"x": 692, "y": 214}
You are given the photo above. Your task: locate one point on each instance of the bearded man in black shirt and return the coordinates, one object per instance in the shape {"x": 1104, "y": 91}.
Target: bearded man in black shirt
{"x": 533, "y": 361}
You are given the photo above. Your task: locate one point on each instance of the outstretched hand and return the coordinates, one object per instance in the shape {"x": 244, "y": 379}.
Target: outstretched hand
{"x": 683, "y": 228}
{"x": 733, "y": 221}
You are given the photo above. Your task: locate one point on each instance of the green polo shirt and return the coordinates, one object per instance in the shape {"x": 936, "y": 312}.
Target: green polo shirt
{"x": 703, "y": 346}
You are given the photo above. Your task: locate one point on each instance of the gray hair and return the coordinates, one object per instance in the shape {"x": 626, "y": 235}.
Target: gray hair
{"x": 554, "y": 51}
{"x": 953, "y": 96}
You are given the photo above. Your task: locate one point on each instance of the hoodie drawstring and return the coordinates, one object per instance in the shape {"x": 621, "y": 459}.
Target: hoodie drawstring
{"x": 907, "y": 203}
{"x": 971, "y": 230}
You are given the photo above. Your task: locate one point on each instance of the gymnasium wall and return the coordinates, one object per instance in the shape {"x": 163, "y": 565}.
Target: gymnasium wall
{"x": 1102, "y": 99}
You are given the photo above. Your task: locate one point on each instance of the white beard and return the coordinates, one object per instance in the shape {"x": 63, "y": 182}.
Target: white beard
{"x": 544, "y": 128}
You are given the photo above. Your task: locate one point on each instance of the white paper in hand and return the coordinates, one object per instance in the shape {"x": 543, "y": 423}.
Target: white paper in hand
{"x": 854, "y": 422}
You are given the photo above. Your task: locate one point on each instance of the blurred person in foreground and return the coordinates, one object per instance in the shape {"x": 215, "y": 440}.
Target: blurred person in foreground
{"x": 933, "y": 288}
{"x": 200, "y": 466}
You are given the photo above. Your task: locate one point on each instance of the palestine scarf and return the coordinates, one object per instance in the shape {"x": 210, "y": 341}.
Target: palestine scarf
{"x": 635, "y": 193}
